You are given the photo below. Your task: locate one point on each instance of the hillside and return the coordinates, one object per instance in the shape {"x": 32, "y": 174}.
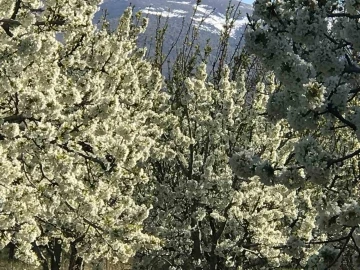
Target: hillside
{"x": 210, "y": 16}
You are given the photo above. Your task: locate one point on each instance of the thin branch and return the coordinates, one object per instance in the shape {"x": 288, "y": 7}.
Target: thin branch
{"x": 351, "y": 67}
{"x": 12, "y": 22}
{"x": 40, "y": 255}
{"x": 18, "y": 119}
{"x": 348, "y": 15}
{"x": 93, "y": 159}
{"x": 90, "y": 223}
{"x": 354, "y": 91}
{"x": 7, "y": 23}
{"x": 334, "y": 161}
{"x": 343, "y": 247}
{"x": 55, "y": 22}
{"x": 337, "y": 114}
{"x": 328, "y": 241}
{"x": 356, "y": 246}
{"x": 16, "y": 9}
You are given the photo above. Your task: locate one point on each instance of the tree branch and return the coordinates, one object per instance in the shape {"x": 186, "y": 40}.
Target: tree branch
{"x": 343, "y": 247}
{"x": 7, "y": 23}
{"x": 16, "y": 9}
{"x": 337, "y": 114}
{"x": 343, "y": 14}
{"x": 351, "y": 67}
{"x": 333, "y": 161}
{"x": 93, "y": 159}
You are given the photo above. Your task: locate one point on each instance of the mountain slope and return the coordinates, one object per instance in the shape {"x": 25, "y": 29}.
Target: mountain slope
{"x": 210, "y": 16}
{"x": 213, "y": 10}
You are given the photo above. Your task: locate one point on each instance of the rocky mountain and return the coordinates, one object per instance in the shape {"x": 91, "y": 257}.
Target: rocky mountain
{"x": 210, "y": 16}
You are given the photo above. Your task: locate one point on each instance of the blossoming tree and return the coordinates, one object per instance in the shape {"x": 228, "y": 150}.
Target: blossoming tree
{"x": 77, "y": 120}
{"x": 313, "y": 49}
{"x": 207, "y": 216}
{"x": 293, "y": 200}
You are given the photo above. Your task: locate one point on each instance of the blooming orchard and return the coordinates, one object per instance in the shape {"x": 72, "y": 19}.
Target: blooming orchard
{"x": 93, "y": 149}
{"x": 77, "y": 120}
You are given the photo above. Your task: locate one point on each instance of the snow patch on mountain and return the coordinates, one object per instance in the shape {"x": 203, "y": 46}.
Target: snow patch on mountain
{"x": 216, "y": 21}
{"x": 165, "y": 13}
{"x": 206, "y": 16}
{"x": 215, "y": 24}
{"x": 181, "y": 3}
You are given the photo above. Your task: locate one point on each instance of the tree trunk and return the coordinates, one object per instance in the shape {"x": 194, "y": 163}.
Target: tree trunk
{"x": 76, "y": 263}
{"x": 196, "y": 252}
{"x": 40, "y": 256}
{"x": 11, "y": 247}
{"x": 99, "y": 266}
{"x": 56, "y": 256}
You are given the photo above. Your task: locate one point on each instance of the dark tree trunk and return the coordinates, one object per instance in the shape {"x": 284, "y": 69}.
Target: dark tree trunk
{"x": 196, "y": 252}
{"x": 11, "y": 247}
{"x": 41, "y": 257}
{"x": 213, "y": 258}
{"x": 56, "y": 256}
{"x": 76, "y": 262}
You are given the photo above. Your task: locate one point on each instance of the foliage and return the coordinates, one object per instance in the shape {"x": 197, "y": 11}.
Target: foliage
{"x": 208, "y": 217}
{"x": 200, "y": 207}
{"x": 313, "y": 49}
{"x": 228, "y": 163}
{"x": 78, "y": 118}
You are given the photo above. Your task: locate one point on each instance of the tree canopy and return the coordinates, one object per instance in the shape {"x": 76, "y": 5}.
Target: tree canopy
{"x": 78, "y": 118}
{"x": 233, "y": 168}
